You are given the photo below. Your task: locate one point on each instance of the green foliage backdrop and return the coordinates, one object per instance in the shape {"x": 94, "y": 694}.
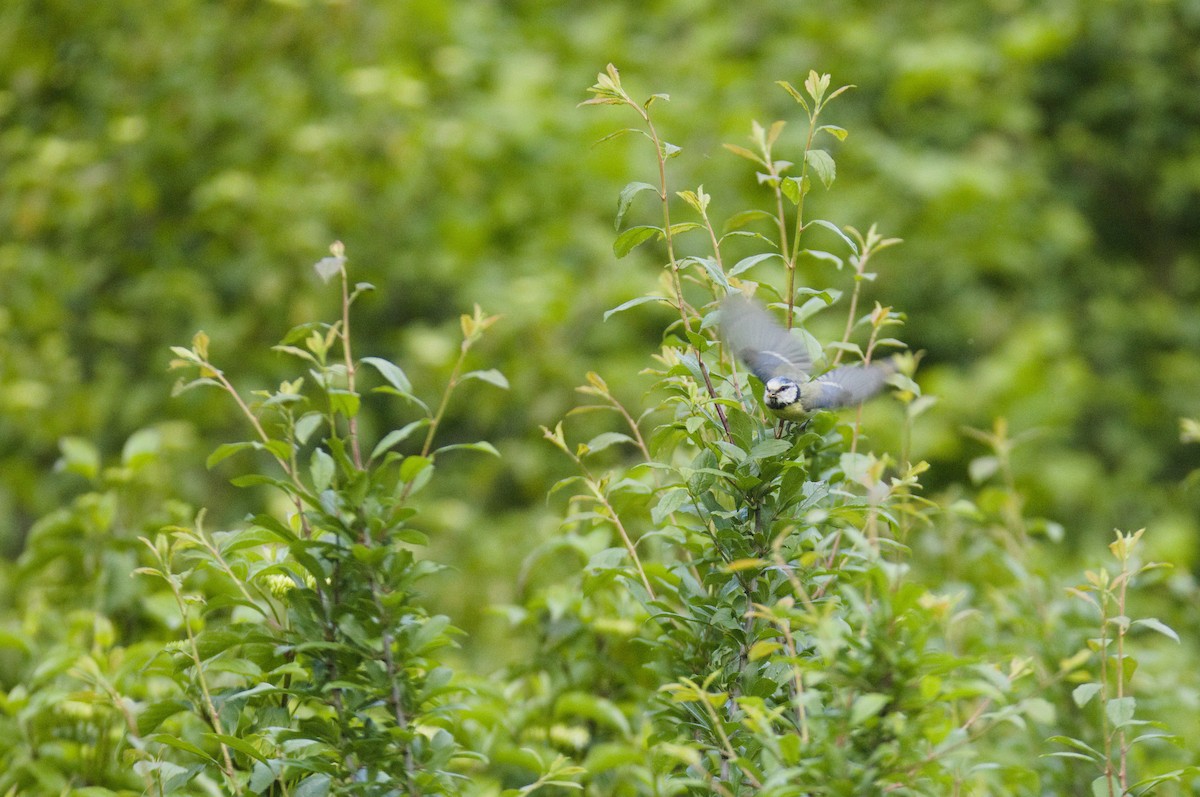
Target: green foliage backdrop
{"x": 177, "y": 167}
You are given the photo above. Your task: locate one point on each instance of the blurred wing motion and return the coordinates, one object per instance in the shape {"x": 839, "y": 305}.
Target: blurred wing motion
{"x": 845, "y": 386}
{"x": 766, "y": 348}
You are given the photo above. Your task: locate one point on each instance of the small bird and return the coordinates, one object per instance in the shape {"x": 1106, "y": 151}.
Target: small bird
{"x": 782, "y": 362}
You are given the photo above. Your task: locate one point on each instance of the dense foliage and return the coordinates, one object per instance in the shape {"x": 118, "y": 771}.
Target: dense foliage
{"x": 913, "y": 599}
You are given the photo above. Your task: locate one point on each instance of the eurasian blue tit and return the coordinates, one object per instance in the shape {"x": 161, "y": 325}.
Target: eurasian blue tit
{"x": 783, "y": 364}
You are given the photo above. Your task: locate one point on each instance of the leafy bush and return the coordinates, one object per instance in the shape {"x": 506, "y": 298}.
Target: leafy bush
{"x": 730, "y": 606}
{"x": 752, "y": 615}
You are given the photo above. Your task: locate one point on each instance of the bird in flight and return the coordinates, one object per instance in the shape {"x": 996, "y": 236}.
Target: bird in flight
{"x": 781, "y": 361}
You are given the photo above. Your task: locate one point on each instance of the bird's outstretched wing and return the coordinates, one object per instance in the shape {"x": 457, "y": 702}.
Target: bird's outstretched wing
{"x": 846, "y": 386}
{"x": 762, "y": 344}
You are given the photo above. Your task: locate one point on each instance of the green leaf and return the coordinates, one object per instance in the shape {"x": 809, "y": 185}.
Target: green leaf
{"x": 742, "y": 152}
{"x": 296, "y": 352}
{"x": 1174, "y": 776}
{"x": 606, "y": 439}
{"x": 669, "y": 503}
{"x": 181, "y": 387}
{"x": 256, "y": 479}
{"x": 79, "y": 456}
{"x": 867, "y": 706}
{"x": 763, "y": 648}
{"x": 711, "y": 267}
{"x": 747, "y": 263}
{"x": 262, "y": 777}
{"x": 153, "y": 715}
{"x": 1120, "y": 710}
{"x": 822, "y": 163}
{"x": 412, "y": 537}
{"x": 833, "y": 130}
{"x": 141, "y": 447}
{"x": 1159, "y": 626}
{"x": 633, "y": 237}
{"x": 491, "y": 376}
{"x": 1092, "y": 753}
{"x": 824, "y": 257}
{"x": 482, "y": 445}
{"x": 608, "y": 559}
{"x": 797, "y": 96}
{"x": 981, "y": 469}
{"x": 685, "y": 226}
{"x": 306, "y": 425}
{"x": 742, "y": 218}
{"x": 794, "y": 188}
{"x": 1067, "y": 754}
{"x": 1084, "y": 693}
{"x": 397, "y": 436}
{"x": 563, "y": 484}
{"x": 313, "y": 786}
{"x": 321, "y": 469}
{"x": 225, "y": 451}
{"x": 612, "y": 756}
{"x": 344, "y": 402}
{"x": 239, "y": 744}
{"x": 391, "y": 372}
{"x": 810, "y": 308}
{"x": 633, "y": 303}
{"x": 412, "y": 466}
{"x": 592, "y": 707}
{"x": 180, "y": 744}
{"x": 770, "y": 448}
{"x": 829, "y": 225}
{"x": 626, "y": 199}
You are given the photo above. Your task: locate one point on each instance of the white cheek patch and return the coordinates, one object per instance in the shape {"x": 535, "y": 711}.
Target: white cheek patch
{"x": 778, "y": 396}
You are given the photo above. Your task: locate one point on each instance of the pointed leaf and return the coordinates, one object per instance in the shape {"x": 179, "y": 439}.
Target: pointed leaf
{"x": 626, "y": 199}
{"x": 867, "y": 706}
{"x": 1084, "y": 693}
{"x": 742, "y": 152}
{"x": 669, "y": 503}
{"x": 685, "y": 226}
{"x": 1078, "y": 745}
{"x": 747, "y": 263}
{"x": 794, "y": 188}
{"x": 491, "y": 376}
{"x": 397, "y": 436}
{"x": 153, "y": 715}
{"x": 79, "y": 456}
{"x": 239, "y": 744}
{"x": 797, "y": 96}
{"x": 1159, "y": 626}
{"x": 634, "y": 237}
{"x": 391, "y": 372}
{"x": 482, "y": 445}
{"x": 606, "y": 439}
{"x": 225, "y": 451}
{"x": 829, "y": 225}
{"x": 822, "y": 162}
{"x": 742, "y": 218}
{"x": 1120, "y": 710}
{"x": 633, "y": 303}
{"x": 321, "y": 468}
{"x": 412, "y": 466}
{"x": 835, "y": 131}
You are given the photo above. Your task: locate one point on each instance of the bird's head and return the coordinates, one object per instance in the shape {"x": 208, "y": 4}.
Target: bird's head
{"x": 781, "y": 393}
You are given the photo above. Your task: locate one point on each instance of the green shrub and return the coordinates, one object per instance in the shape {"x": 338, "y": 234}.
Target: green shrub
{"x": 730, "y": 606}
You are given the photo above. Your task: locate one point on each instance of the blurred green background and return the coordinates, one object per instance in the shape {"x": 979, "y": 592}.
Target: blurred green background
{"x": 178, "y": 166}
